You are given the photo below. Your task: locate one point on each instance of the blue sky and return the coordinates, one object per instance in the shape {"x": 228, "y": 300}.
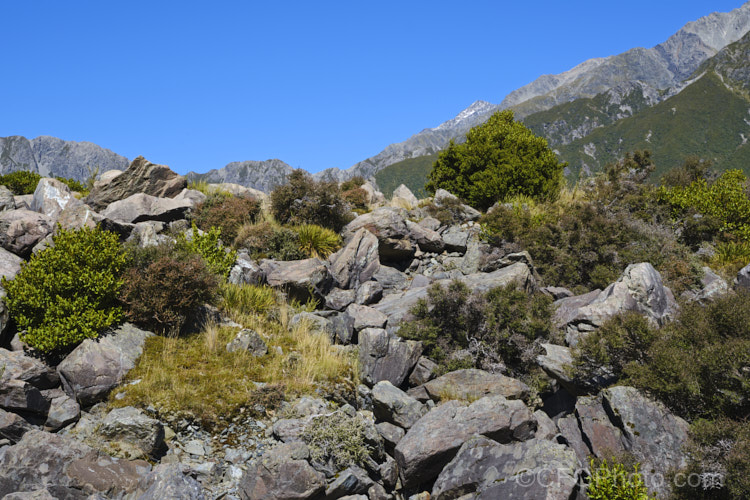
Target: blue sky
{"x": 195, "y": 85}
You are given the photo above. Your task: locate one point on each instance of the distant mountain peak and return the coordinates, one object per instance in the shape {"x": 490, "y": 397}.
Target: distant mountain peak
{"x": 477, "y": 108}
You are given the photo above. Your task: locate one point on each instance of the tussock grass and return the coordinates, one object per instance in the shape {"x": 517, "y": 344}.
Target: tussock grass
{"x": 195, "y": 377}
{"x": 317, "y": 241}
{"x": 207, "y": 189}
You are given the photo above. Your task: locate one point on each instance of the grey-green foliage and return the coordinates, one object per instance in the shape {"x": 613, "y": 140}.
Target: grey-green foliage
{"x": 338, "y": 439}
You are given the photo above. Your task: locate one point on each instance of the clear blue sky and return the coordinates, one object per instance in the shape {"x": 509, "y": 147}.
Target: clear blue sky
{"x": 195, "y": 85}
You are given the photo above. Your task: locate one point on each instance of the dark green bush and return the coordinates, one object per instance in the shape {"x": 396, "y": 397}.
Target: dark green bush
{"x": 693, "y": 169}
{"x": 68, "y": 292}
{"x": 163, "y": 294}
{"x": 227, "y": 212}
{"x": 496, "y": 328}
{"x": 719, "y": 462}
{"x": 306, "y": 201}
{"x": 355, "y": 182}
{"x": 73, "y": 184}
{"x": 269, "y": 241}
{"x": 21, "y": 182}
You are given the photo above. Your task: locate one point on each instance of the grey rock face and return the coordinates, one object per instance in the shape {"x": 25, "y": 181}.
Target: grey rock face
{"x": 492, "y": 470}
{"x": 249, "y": 341}
{"x": 17, "y": 365}
{"x": 246, "y": 271}
{"x": 393, "y": 405}
{"x": 168, "y": 481}
{"x": 366, "y": 317}
{"x": 51, "y": 197}
{"x": 338, "y": 299}
{"x": 21, "y": 230}
{"x": 357, "y": 262}
{"x": 142, "y": 176}
{"x": 7, "y": 201}
{"x": 75, "y": 216}
{"x": 386, "y": 357}
{"x": 136, "y": 435}
{"x": 282, "y": 473}
{"x": 19, "y": 396}
{"x": 435, "y": 439}
{"x": 300, "y": 278}
{"x": 639, "y": 289}
{"x": 389, "y": 227}
{"x": 141, "y": 207}
{"x": 13, "y": 426}
{"x": 424, "y": 371}
{"x": 63, "y": 410}
{"x": 351, "y": 481}
{"x": 261, "y": 175}
{"x": 94, "y": 368}
{"x": 405, "y": 196}
{"x": 470, "y": 384}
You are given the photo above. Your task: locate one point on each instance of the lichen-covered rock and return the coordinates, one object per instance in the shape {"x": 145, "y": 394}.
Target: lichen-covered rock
{"x": 95, "y": 367}
{"x": 246, "y": 271}
{"x": 282, "y": 473}
{"x": 470, "y": 384}
{"x": 391, "y": 404}
{"x": 435, "y": 439}
{"x": 300, "y": 279}
{"x": 249, "y": 341}
{"x": 135, "y": 435}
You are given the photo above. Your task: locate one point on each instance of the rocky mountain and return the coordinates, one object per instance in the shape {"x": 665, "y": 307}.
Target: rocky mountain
{"x": 50, "y": 156}
{"x": 261, "y": 175}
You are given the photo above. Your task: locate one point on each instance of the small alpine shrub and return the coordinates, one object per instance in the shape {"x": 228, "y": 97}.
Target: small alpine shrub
{"x": 162, "y": 295}
{"x": 228, "y": 213}
{"x": 68, "y": 292}
{"x": 317, "y": 241}
{"x": 208, "y": 245}
{"x": 74, "y": 185}
{"x": 306, "y": 201}
{"x": 613, "y": 481}
{"x": 337, "y": 439}
{"x": 269, "y": 241}
{"x": 21, "y": 182}
{"x": 355, "y": 182}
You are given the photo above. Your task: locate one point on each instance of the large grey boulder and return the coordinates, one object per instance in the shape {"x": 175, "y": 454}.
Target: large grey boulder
{"x": 17, "y": 365}
{"x": 13, "y": 426}
{"x": 67, "y": 468}
{"x": 389, "y": 226}
{"x": 357, "y": 262}
{"x": 7, "y": 200}
{"x": 142, "y": 207}
{"x": 21, "y": 397}
{"x": 133, "y": 434}
{"x": 435, "y": 439}
{"x": 533, "y": 469}
{"x": 75, "y": 216}
{"x": 471, "y": 384}
{"x": 366, "y": 317}
{"x": 300, "y": 279}
{"x": 391, "y": 404}
{"x": 21, "y": 230}
{"x": 51, "y": 197}
{"x": 350, "y": 481}
{"x": 63, "y": 409}
{"x": 95, "y": 367}
{"x": 168, "y": 481}
{"x": 639, "y": 289}
{"x": 386, "y": 357}
{"x": 713, "y": 286}
{"x": 142, "y": 176}
{"x": 403, "y": 197}
{"x": 426, "y": 239}
{"x": 283, "y": 473}
{"x": 246, "y": 271}
{"x": 10, "y": 264}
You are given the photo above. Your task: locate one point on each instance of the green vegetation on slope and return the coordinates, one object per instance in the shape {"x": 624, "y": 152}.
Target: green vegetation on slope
{"x": 705, "y": 119}
{"x": 412, "y": 173}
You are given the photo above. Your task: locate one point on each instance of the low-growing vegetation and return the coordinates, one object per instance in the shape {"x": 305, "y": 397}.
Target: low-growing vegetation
{"x": 68, "y": 292}
{"x": 612, "y": 480}
{"x": 226, "y": 212}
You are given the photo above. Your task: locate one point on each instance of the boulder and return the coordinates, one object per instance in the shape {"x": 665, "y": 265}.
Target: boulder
{"x": 75, "y": 216}
{"x": 639, "y": 289}
{"x": 13, "y": 427}
{"x": 63, "y": 410}
{"x": 315, "y": 322}
{"x": 391, "y": 435}
{"x": 390, "y": 279}
{"x": 191, "y": 196}
{"x": 21, "y": 230}
{"x": 463, "y": 212}
{"x": 435, "y": 439}
{"x": 456, "y": 239}
{"x": 389, "y": 227}
{"x": 249, "y": 341}
{"x": 106, "y": 177}
{"x": 366, "y": 317}
{"x": 357, "y": 262}
{"x": 374, "y": 197}
{"x": 403, "y": 197}
{"x": 68, "y": 468}
{"x": 713, "y": 286}
{"x": 427, "y": 239}
{"x": 300, "y": 279}
{"x": 17, "y": 365}
{"x": 246, "y": 271}
{"x": 368, "y": 293}
{"x": 21, "y": 397}
{"x": 142, "y": 207}
{"x": 391, "y": 404}
{"x": 471, "y": 384}
{"x": 142, "y": 176}
{"x": 51, "y": 197}
{"x": 424, "y": 371}
{"x": 386, "y": 357}
{"x": 350, "y": 481}
{"x": 557, "y": 362}
{"x": 338, "y": 299}
{"x": 95, "y": 367}
{"x": 534, "y": 469}
{"x": 134, "y": 434}
{"x": 602, "y": 437}
{"x": 168, "y": 481}
{"x": 7, "y": 201}
{"x": 282, "y": 473}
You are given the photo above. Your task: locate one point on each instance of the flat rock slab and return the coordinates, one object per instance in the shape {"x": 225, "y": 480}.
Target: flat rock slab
{"x": 472, "y": 384}
{"x": 435, "y": 439}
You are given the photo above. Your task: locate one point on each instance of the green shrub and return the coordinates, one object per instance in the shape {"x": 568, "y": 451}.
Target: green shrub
{"x": 613, "y": 481}
{"x": 355, "y": 182}
{"x": 163, "y": 294}
{"x": 357, "y": 198}
{"x": 306, "y": 201}
{"x": 21, "y": 182}
{"x": 499, "y": 327}
{"x": 317, "y": 241}
{"x": 208, "y": 245}
{"x": 719, "y": 462}
{"x": 269, "y": 241}
{"x": 74, "y": 185}
{"x": 67, "y": 292}
{"x": 693, "y": 169}
{"x": 499, "y": 159}
{"x": 337, "y": 439}
{"x": 228, "y": 213}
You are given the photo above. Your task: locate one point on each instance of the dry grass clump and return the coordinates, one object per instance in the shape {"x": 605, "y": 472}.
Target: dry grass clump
{"x": 195, "y": 377}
